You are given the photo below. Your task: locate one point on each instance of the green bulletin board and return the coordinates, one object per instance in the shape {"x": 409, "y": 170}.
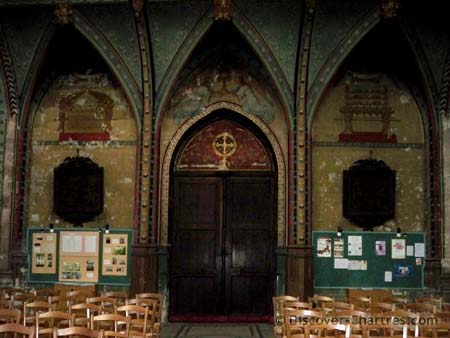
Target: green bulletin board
{"x": 368, "y": 259}
{"x": 113, "y": 247}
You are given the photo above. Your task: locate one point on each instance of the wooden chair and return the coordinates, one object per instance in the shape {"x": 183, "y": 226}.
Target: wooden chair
{"x": 277, "y": 303}
{"x": 442, "y": 316}
{"x": 318, "y": 300}
{"x": 385, "y": 330}
{"x": 120, "y": 296}
{"x": 139, "y": 319}
{"x": 331, "y": 308}
{"x": 156, "y": 307}
{"x": 79, "y": 296}
{"x": 47, "y": 321}
{"x": 404, "y": 316}
{"x": 437, "y": 301}
{"x": 77, "y": 331}
{"x": 10, "y": 316}
{"x": 107, "y": 304}
{"x": 296, "y": 320}
{"x": 61, "y": 303}
{"x": 425, "y": 309}
{"x": 380, "y": 307}
{"x": 43, "y": 294}
{"x": 360, "y": 303}
{"x": 30, "y": 310}
{"x": 327, "y": 330}
{"x": 19, "y": 299}
{"x": 14, "y": 330}
{"x": 5, "y": 304}
{"x": 398, "y": 301}
{"x": 435, "y": 330}
{"x": 114, "y": 325}
{"x": 83, "y": 312}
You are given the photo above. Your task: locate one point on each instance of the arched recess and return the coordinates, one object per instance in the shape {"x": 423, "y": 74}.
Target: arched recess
{"x": 51, "y": 127}
{"x": 168, "y": 159}
{"x": 252, "y": 37}
{"x": 222, "y": 68}
{"x": 402, "y": 132}
{"x": 103, "y": 47}
{"x": 338, "y": 56}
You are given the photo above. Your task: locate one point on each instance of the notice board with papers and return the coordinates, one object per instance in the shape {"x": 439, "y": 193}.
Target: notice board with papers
{"x": 366, "y": 259}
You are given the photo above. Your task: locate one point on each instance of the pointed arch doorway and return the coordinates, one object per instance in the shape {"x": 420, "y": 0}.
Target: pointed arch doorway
{"x": 222, "y": 231}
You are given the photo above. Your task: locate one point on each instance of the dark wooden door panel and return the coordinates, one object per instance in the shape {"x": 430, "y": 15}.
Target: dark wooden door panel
{"x": 222, "y": 254}
{"x": 196, "y": 267}
{"x": 249, "y": 244}
{"x": 196, "y": 295}
{"x": 249, "y": 294}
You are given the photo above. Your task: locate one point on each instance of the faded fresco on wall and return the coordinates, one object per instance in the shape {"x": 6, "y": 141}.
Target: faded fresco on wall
{"x": 367, "y": 115}
{"x": 214, "y": 84}
{"x": 87, "y": 113}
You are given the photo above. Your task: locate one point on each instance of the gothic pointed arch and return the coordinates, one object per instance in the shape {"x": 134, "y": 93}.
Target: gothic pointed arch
{"x": 339, "y": 54}
{"x": 251, "y": 36}
{"x": 74, "y": 101}
{"x": 169, "y": 156}
{"x": 379, "y": 105}
{"x": 103, "y": 47}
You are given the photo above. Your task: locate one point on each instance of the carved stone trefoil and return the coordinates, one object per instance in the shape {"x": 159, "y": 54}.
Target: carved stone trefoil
{"x": 222, "y": 10}
{"x": 390, "y": 9}
{"x": 63, "y": 14}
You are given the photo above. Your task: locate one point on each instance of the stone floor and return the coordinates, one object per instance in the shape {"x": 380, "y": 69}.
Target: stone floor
{"x": 201, "y": 330}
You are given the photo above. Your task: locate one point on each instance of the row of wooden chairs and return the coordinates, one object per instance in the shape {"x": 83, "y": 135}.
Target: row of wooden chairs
{"x": 353, "y": 311}
{"x": 330, "y": 330}
{"x": 144, "y": 311}
{"x": 14, "y": 330}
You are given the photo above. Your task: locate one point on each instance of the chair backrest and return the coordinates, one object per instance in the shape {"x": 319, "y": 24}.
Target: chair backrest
{"x": 318, "y": 300}
{"x": 360, "y": 303}
{"x": 17, "y": 330}
{"x": 327, "y": 330}
{"x": 10, "y": 316}
{"x": 83, "y": 312}
{"x": 435, "y": 330}
{"x": 47, "y": 321}
{"x": 30, "y": 310}
{"x": 77, "y": 331}
{"x": 380, "y": 307}
{"x": 437, "y": 301}
{"x": 386, "y": 330}
{"x": 43, "y": 294}
{"x": 80, "y": 296}
{"x": 159, "y": 298}
{"x": 5, "y": 304}
{"x": 141, "y": 318}
{"x": 116, "y": 324}
{"x": 120, "y": 296}
{"x": 442, "y": 316}
{"x": 422, "y": 308}
{"x": 107, "y": 304}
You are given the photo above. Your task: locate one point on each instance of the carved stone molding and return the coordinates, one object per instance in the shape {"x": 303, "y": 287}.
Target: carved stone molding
{"x": 281, "y": 169}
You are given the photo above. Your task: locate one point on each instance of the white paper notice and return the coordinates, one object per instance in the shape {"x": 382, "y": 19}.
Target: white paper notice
{"x": 106, "y": 262}
{"x": 364, "y": 265}
{"x": 354, "y": 245}
{"x": 419, "y": 249}
{"x": 49, "y": 238}
{"x": 107, "y": 250}
{"x": 341, "y": 263}
{"x": 90, "y": 244}
{"x": 115, "y": 241}
{"x": 388, "y": 276}
{"x": 71, "y": 243}
{"x": 355, "y": 265}
{"x": 90, "y": 275}
{"x": 409, "y": 250}
{"x": 398, "y": 247}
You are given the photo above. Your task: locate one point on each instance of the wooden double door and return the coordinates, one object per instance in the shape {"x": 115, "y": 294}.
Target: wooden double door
{"x": 222, "y": 246}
